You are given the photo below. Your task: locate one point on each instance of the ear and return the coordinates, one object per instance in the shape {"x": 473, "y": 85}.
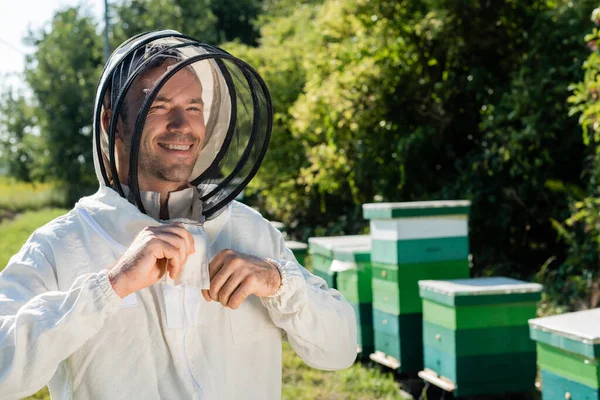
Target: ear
{"x": 106, "y": 116}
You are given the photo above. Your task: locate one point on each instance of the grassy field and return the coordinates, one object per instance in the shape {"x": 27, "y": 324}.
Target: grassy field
{"x": 14, "y": 232}
{"x": 19, "y": 196}
{"x": 300, "y": 382}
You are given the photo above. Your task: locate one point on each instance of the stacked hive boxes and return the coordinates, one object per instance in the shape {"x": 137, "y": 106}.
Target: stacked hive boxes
{"x": 321, "y": 253}
{"x": 411, "y": 242}
{"x": 568, "y": 351}
{"x": 352, "y": 261}
{"x": 475, "y": 334}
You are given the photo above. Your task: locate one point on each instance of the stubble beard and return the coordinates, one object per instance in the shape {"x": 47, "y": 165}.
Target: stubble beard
{"x": 148, "y": 165}
{"x": 151, "y": 166}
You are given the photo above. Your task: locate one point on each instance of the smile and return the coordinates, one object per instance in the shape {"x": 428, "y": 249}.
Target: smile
{"x": 180, "y": 147}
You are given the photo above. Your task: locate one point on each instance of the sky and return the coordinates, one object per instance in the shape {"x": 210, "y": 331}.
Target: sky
{"x": 16, "y": 16}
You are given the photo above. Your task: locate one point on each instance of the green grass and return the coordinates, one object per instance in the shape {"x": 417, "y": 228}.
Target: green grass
{"x": 14, "y": 232}
{"x": 300, "y": 382}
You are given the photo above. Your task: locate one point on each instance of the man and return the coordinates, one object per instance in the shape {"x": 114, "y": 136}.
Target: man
{"x": 84, "y": 306}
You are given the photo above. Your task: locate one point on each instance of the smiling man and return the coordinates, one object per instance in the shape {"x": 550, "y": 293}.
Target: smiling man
{"x": 160, "y": 286}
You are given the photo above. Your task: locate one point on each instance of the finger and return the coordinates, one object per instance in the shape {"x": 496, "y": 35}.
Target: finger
{"x": 176, "y": 241}
{"x": 240, "y": 295}
{"x": 189, "y": 238}
{"x": 234, "y": 281}
{"x": 220, "y": 259}
{"x": 176, "y": 236}
{"x": 219, "y": 279}
{"x": 215, "y": 266}
{"x": 161, "y": 249}
{"x": 206, "y": 295}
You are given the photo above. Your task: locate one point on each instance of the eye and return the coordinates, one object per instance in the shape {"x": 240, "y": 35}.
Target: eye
{"x": 158, "y": 107}
{"x": 195, "y": 109}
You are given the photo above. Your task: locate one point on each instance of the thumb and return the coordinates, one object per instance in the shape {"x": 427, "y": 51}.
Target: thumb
{"x": 206, "y": 295}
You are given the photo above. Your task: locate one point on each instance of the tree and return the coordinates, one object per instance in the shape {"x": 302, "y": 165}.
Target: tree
{"x": 210, "y": 21}
{"x": 62, "y": 74}
{"x": 18, "y": 139}
{"x": 427, "y": 100}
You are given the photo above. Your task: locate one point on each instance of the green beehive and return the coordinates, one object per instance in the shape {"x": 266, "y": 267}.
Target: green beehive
{"x": 568, "y": 354}
{"x": 352, "y": 262}
{"x": 299, "y": 249}
{"x": 321, "y": 252}
{"x": 418, "y": 232}
{"x": 411, "y": 242}
{"x": 475, "y": 335}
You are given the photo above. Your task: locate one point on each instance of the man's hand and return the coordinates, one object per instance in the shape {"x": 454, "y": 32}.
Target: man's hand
{"x": 235, "y": 276}
{"x": 155, "y": 251}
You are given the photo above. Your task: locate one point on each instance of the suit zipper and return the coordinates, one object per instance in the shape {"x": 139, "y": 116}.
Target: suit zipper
{"x": 185, "y": 330}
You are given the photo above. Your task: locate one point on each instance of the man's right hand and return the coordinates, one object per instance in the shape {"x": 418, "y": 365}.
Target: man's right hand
{"x": 155, "y": 251}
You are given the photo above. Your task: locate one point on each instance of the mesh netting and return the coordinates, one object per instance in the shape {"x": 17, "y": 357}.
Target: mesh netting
{"x": 236, "y": 109}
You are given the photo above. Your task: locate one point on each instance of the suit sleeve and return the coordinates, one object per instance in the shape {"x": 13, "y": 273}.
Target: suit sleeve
{"x": 40, "y": 326}
{"x": 320, "y": 324}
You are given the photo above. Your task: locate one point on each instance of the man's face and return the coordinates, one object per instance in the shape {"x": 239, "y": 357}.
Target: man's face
{"x": 174, "y": 131}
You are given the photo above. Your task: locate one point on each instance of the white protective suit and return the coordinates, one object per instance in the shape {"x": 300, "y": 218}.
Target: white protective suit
{"x": 62, "y": 324}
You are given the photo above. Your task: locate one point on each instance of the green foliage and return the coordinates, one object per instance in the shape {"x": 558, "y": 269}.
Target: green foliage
{"x": 426, "y": 100}
{"x": 62, "y": 73}
{"x": 529, "y": 142}
{"x": 211, "y": 21}
{"x": 17, "y": 139}
{"x": 16, "y": 197}
{"x": 576, "y": 281}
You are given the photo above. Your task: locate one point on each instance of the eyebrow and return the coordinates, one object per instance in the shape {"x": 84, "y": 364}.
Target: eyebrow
{"x": 193, "y": 100}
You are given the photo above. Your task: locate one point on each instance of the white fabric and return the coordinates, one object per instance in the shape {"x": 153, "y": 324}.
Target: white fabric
{"x": 61, "y": 322}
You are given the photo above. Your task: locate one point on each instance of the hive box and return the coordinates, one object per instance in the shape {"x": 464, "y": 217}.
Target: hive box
{"x": 321, "y": 250}
{"x": 476, "y": 336}
{"x": 411, "y": 242}
{"x": 353, "y": 266}
{"x": 568, "y": 348}
{"x": 418, "y": 232}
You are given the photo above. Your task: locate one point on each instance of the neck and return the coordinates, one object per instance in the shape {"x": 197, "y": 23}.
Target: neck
{"x": 163, "y": 188}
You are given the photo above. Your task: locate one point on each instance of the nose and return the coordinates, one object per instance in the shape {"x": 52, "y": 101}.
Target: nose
{"x": 178, "y": 121}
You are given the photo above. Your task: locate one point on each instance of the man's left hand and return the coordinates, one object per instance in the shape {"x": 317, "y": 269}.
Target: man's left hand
{"x": 235, "y": 276}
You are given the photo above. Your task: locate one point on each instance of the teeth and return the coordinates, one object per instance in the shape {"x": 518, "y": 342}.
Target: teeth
{"x": 176, "y": 147}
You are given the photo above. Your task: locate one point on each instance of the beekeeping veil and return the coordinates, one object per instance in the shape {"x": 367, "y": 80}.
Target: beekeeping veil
{"x": 237, "y": 114}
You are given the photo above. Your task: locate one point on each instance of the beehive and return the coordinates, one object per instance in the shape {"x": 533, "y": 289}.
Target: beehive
{"x": 475, "y": 334}
{"x": 411, "y": 242}
{"x": 568, "y": 351}
{"x": 321, "y": 251}
{"x": 353, "y": 266}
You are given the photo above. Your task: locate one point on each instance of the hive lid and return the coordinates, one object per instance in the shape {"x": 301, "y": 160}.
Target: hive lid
{"x": 293, "y": 245}
{"x": 346, "y": 248}
{"x": 577, "y": 332}
{"x": 415, "y": 209}
{"x": 479, "y": 291}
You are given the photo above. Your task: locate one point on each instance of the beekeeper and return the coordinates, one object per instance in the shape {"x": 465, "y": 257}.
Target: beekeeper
{"x": 161, "y": 285}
